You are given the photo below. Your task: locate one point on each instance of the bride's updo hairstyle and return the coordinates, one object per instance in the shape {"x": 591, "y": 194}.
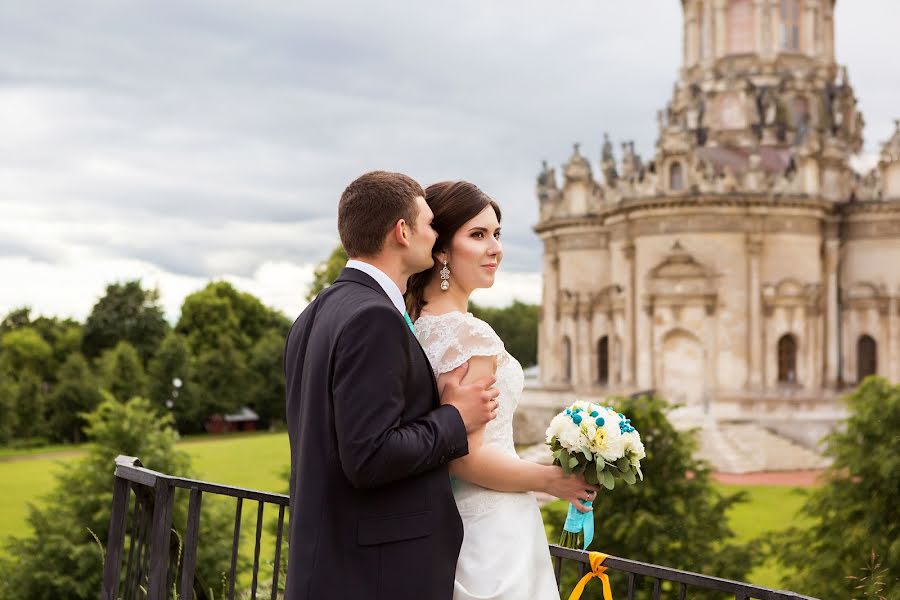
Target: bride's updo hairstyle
{"x": 453, "y": 203}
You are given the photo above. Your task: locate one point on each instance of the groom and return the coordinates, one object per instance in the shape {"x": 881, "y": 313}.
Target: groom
{"x": 372, "y": 512}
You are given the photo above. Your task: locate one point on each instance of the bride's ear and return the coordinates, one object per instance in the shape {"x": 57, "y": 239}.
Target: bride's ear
{"x": 440, "y": 256}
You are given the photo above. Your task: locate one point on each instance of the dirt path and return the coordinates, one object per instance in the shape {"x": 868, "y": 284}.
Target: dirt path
{"x": 785, "y": 478}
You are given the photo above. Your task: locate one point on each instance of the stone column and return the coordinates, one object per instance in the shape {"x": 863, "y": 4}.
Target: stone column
{"x": 645, "y": 377}
{"x": 893, "y": 339}
{"x": 549, "y": 336}
{"x": 711, "y": 359}
{"x": 754, "y": 314}
{"x": 630, "y": 337}
{"x": 720, "y": 46}
{"x": 774, "y": 27}
{"x": 828, "y": 31}
{"x": 692, "y": 34}
{"x": 759, "y": 9}
{"x": 809, "y": 29}
{"x": 832, "y": 318}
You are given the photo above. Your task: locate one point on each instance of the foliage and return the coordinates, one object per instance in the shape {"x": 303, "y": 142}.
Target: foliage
{"x": 76, "y": 393}
{"x": 676, "y": 517}
{"x": 122, "y": 373}
{"x": 517, "y": 326}
{"x": 62, "y": 559}
{"x": 855, "y": 532}
{"x": 126, "y": 313}
{"x": 267, "y": 393}
{"x": 169, "y": 376}
{"x": 24, "y": 350}
{"x": 9, "y": 418}
{"x": 327, "y": 271}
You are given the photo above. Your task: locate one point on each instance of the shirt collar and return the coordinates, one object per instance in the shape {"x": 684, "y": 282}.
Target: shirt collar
{"x": 387, "y": 284}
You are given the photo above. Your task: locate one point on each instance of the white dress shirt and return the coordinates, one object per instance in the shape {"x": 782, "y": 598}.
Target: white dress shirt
{"x": 387, "y": 284}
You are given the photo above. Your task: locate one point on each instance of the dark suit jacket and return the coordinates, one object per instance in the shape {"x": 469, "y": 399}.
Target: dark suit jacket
{"x": 372, "y": 515}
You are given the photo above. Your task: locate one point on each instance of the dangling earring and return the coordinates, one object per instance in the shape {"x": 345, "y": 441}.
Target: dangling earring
{"x": 445, "y": 277}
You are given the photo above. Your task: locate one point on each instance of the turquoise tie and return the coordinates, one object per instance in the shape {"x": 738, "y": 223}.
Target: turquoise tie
{"x": 409, "y": 322}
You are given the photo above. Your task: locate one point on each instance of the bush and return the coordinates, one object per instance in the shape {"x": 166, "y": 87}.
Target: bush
{"x": 674, "y": 518}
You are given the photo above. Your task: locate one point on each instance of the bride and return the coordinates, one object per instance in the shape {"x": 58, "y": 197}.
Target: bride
{"x": 504, "y": 554}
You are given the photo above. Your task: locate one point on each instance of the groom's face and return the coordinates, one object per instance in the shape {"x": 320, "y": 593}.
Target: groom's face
{"x": 422, "y": 238}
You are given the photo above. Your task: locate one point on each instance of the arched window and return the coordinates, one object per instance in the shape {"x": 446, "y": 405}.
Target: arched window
{"x": 866, "y": 357}
{"x": 741, "y": 34}
{"x": 567, "y": 358}
{"x": 787, "y": 359}
{"x": 603, "y": 360}
{"x": 676, "y": 177}
{"x": 790, "y": 25}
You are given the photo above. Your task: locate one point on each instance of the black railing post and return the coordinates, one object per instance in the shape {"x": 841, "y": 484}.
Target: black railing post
{"x": 190, "y": 545}
{"x": 115, "y": 541}
{"x": 160, "y": 539}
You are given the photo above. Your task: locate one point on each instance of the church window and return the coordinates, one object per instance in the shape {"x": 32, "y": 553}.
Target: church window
{"x": 567, "y": 358}
{"x": 787, "y": 359}
{"x": 740, "y": 27}
{"x": 866, "y": 357}
{"x": 603, "y": 360}
{"x": 676, "y": 177}
{"x": 790, "y": 25}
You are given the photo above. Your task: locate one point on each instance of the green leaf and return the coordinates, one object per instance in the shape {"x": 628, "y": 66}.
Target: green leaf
{"x": 590, "y": 475}
{"x": 623, "y": 464}
{"x": 573, "y": 462}
{"x": 628, "y": 476}
{"x": 608, "y": 481}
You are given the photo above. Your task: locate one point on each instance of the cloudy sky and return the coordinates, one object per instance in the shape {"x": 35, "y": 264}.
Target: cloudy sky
{"x": 181, "y": 141}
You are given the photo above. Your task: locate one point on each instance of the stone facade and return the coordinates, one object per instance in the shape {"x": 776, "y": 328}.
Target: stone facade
{"x": 745, "y": 269}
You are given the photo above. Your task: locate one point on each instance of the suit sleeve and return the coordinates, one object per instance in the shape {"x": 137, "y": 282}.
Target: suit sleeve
{"x": 371, "y": 364}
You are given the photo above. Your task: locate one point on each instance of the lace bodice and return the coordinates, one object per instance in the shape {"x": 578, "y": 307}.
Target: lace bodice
{"x": 453, "y": 338}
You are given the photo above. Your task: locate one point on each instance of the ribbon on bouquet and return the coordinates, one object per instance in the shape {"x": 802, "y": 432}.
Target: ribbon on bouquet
{"x": 577, "y": 521}
{"x": 598, "y": 571}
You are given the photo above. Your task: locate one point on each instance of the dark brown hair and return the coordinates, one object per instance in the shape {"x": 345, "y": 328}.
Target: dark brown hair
{"x": 371, "y": 206}
{"x": 453, "y": 203}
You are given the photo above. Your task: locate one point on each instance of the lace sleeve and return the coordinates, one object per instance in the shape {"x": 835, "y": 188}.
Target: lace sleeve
{"x": 451, "y": 339}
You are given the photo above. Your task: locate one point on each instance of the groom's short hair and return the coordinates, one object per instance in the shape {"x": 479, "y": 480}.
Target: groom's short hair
{"x": 371, "y": 206}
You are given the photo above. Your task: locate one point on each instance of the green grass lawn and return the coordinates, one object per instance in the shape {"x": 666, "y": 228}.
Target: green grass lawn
{"x": 257, "y": 461}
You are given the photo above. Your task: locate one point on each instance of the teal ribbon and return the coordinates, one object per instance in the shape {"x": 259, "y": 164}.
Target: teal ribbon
{"x": 577, "y": 521}
{"x": 409, "y": 322}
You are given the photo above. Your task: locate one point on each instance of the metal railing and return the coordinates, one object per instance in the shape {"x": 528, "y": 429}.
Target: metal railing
{"x": 142, "y": 514}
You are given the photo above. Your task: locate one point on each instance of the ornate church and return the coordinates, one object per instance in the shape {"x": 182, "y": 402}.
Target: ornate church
{"x": 745, "y": 269}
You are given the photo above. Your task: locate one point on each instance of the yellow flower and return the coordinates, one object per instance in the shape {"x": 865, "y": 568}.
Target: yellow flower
{"x": 599, "y": 440}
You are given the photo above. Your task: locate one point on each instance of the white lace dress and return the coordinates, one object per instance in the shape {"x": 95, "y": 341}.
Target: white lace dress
{"x": 504, "y": 554}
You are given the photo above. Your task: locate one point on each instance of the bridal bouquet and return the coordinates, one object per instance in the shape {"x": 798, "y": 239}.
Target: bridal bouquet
{"x": 600, "y": 444}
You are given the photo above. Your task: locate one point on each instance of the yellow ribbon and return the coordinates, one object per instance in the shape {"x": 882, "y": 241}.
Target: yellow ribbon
{"x": 597, "y": 570}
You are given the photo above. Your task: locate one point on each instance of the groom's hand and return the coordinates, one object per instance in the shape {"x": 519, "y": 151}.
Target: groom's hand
{"x": 476, "y": 401}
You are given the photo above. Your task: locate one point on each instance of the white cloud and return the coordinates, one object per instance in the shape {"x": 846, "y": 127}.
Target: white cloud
{"x": 186, "y": 141}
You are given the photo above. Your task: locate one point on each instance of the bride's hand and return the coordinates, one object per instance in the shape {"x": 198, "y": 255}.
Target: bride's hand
{"x": 572, "y": 487}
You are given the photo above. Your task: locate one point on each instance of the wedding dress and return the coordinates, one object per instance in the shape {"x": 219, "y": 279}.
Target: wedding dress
{"x": 504, "y": 554}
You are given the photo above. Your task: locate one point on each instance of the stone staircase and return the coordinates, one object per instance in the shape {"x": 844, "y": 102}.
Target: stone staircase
{"x": 749, "y": 448}
{"x": 728, "y": 447}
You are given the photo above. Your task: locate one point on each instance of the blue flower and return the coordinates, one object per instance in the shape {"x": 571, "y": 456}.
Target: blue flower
{"x": 576, "y": 418}
{"x": 600, "y": 421}
{"x": 594, "y": 413}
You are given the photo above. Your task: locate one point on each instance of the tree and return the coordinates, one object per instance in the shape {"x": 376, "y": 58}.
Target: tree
{"x": 76, "y": 393}
{"x": 852, "y": 547}
{"x": 24, "y": 350}
{"x": 126, "y": 313}
{"x": 62, "y": 560}
{"x": 9, "y": 418}
{"x": 219, "y": 309}
{"x": 16, "y": 319}
{"x": 267, "y": 394}
{"x": 168, "y": 378}
{"x": 327, "y": 271}
{"x": 517, "y": 326}
{"x": 30, "y": 406}
{"x": 220, "y": 383}
{"x": 675, "y": 517}
{"x": 121, "y": 372}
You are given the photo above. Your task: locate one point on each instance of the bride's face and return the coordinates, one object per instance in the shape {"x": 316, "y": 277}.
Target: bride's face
{"x": 476, "y": 252}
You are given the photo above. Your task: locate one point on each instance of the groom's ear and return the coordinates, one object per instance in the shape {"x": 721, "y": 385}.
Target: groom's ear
{"x": 400, "y": 232}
